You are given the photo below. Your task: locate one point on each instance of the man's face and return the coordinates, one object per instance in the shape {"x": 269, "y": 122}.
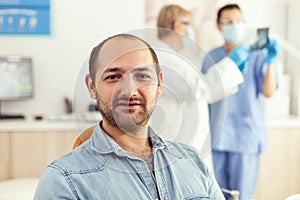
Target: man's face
{"x": 127, "y": 84}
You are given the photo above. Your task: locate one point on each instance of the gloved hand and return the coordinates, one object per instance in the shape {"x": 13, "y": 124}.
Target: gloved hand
{"x": 240, "y": 55}
{"x": 273, "y": 49}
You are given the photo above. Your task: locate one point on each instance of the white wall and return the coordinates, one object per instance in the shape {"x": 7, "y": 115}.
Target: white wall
{"x": 257, "y": 13}
{"x": 294, "y": 59}
{"x": 76, "y": 26}
{"x": 271, "y": 13}
{"x": 79, "y": 25}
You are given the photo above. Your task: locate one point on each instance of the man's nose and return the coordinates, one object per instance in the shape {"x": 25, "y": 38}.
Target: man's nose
{"x": 127, "y": 86}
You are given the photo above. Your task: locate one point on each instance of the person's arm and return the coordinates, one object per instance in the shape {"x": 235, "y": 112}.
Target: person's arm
{"x": 214, "y": 192}
{"x": 224, "y": 77}
{"x": 270, "y": 81}
{"x": 222, "y": 80}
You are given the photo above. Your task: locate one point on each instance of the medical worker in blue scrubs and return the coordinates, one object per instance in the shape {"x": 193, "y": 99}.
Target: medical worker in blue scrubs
{"x": 237, "y": 122}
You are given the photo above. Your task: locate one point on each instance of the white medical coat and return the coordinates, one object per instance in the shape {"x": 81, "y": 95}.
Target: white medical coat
{"x": 182, "y": 113}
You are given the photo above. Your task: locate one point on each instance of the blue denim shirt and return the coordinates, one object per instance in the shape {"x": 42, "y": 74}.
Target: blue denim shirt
{"x": 100, "y": 169}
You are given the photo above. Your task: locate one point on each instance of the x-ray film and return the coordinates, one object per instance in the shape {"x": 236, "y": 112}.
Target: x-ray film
{"x": 257, "y": 38}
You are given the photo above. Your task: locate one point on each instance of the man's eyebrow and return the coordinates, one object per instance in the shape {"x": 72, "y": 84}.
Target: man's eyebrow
{"x": 118, "y": 69}
{"x": 113, "y": 69}
{"x": 145, "y": 68}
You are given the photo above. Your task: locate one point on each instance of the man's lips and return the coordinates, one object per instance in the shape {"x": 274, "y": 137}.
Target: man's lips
{"x": 128, "y": 104}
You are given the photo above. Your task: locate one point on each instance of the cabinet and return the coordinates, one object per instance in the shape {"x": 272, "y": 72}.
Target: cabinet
{"x": 279, "y": 174}
{"x": 4, "y": 156}
{"x": 26, "y": 150}
{"x": 26, "y": 153}
{"x": 31, "y": 152}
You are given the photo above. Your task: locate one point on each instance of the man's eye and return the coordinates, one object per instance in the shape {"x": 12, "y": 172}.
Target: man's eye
{"x": 143, "y": 76}
{"x": 113, "y": 77}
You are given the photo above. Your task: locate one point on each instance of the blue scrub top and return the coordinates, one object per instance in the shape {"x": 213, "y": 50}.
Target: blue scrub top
{"x": 237, "y": 122}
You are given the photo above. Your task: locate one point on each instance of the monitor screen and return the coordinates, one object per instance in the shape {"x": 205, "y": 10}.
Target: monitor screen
{"x": 16, "y": 80}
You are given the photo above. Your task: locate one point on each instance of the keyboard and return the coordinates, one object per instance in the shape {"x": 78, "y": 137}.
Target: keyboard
{"x": 4, "y": 116}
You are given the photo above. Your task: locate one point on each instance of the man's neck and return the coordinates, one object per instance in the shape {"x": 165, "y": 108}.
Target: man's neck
{"x": 136, "y": 143}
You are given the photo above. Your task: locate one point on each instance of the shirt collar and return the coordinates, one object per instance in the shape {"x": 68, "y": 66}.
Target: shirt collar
{"x": 102, "y": 143}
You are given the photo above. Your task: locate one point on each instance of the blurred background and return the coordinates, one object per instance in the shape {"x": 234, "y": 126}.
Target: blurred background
{"x": 59, "y": 62}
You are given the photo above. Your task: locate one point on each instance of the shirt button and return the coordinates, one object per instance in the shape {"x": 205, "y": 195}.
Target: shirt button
{"x": 139, "y": 166}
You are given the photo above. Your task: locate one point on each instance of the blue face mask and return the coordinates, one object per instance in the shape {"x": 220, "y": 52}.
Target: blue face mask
{"x": 234, "y": 33}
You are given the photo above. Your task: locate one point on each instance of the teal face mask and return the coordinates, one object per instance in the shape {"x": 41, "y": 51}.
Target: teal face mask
{"x": 233, "y": 33}
{"x": 191, "y": 34}
{"x": 190, "y": 38}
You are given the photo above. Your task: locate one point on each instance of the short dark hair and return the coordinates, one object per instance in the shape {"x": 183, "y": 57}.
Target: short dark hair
{"x": 96, "y": 50}
{"x": 227, "y": 7}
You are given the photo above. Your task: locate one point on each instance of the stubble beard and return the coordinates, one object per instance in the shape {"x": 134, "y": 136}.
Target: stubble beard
{"x": 130, "y": 121}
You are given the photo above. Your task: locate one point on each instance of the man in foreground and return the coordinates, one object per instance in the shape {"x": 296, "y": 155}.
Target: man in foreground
{"x": 124, "y": 158}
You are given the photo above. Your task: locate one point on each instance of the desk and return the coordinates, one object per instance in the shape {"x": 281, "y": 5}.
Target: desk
{"x": 286, "y": 123}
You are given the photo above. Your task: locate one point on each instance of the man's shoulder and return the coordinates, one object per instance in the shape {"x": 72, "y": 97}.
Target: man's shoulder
{"x": 175, "y": 148}
{"x": 80, "y": 160}
{"x": 181, "y": 150}
{"x": 186, "y": 152}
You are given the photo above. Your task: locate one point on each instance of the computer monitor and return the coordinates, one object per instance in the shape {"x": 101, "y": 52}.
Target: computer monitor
{"x": 16, "y": 78}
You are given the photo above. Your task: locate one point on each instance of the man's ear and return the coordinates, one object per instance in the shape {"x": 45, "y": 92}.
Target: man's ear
{"x": 90, "y": 86}
{"x": 159, "y": 86}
